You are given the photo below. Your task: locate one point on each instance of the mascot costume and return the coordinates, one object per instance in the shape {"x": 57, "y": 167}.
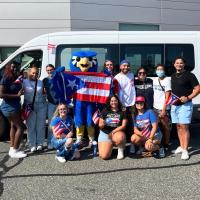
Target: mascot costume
{"x": 84, "y": 61}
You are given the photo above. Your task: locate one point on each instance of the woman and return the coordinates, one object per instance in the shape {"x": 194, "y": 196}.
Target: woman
{"x": 62, "y": 139}
{"x": 112, "y": 125}
{"x": 146, "y": 132}
{"x": 144, "y": 86}
{"x": 10, "y": 92}
{"x": 37, "y": 119}
{"x": 185, "y": 86}
{"x": 162, "y": 91}
{"x": 51, "y": 102}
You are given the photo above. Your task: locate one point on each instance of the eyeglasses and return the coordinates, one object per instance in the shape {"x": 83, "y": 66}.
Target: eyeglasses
{"x": 109, "y": 64}
{"x": 140, "y": 73}
{"x": 62, "y": 109}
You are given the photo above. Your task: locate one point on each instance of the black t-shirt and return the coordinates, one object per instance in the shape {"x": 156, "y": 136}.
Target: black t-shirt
{"x": 183, "y": 83}
{"x": 47, "y": 86}
{"x": 145, "y": 88}
{"x": 11, "y": 87}
{"x": 112, "y": 119}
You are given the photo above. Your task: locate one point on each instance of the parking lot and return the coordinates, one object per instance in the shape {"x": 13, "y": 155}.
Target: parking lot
{"x": 39, "y": 176}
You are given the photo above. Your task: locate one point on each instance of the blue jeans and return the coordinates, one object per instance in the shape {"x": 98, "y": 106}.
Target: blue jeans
{"x": 36, "y": 125}
{"x": 50, "y": 110}
{"x": 61, "y": 148}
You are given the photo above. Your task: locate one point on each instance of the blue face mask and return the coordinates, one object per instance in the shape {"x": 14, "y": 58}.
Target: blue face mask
{"x": 160, "y": 73}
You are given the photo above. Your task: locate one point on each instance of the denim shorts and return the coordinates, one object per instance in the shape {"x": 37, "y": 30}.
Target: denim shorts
{"x": 103, "y": 137}
{"x": 8, "y": 109}
{"x": 182, "y": 114}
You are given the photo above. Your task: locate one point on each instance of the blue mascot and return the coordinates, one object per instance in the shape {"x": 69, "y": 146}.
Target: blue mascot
{"x": 84, "y": 61}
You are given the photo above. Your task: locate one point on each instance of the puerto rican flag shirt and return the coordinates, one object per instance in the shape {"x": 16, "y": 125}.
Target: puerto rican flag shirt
{"x": 112, "y": 120}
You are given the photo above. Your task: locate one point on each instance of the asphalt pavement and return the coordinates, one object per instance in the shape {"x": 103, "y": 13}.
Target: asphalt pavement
{"x": 39, "y": 176}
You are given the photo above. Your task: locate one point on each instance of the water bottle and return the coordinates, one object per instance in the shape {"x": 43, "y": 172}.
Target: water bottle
{"x": 94, "y": 148}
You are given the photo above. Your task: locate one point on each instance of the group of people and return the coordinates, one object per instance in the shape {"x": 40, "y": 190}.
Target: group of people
{"x": 138, "y": 110}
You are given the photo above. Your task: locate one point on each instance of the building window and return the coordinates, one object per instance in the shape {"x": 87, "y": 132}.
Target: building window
{"x": 138, "y": 27}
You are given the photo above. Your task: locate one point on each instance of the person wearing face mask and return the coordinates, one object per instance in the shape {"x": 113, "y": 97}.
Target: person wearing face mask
{"x": 51, "y": 102}
{"x": 37, "y": 119}
{"x": 162, "y": 91}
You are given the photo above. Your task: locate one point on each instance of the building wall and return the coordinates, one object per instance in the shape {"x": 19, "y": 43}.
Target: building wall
{"x": 22, "y": 20}
{"x": 107, "y": 14}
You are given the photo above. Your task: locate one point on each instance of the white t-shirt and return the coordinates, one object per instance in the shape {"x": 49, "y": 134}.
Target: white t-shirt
{"x": 159, "y": 94}
{"x": 127, "y": 88}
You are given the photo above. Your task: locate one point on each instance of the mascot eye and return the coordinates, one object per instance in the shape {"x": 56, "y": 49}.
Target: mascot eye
{"x": 90, "y": 58}
{"x": 78, "y": 59}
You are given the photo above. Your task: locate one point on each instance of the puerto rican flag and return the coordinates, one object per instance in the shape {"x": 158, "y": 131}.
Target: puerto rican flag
{"x": 96, "y": 117}
{"x": 173, "y": 99}
{"x": 59, "y": 129}
{"x": 19, "y": 79}
{"x": 96, "y": 89}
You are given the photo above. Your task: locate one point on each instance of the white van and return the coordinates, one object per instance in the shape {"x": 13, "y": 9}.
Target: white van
{"x": 140, "y": 48}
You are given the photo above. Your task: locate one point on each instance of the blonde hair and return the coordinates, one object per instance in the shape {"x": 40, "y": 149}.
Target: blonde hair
{"x": 56, "y": 113}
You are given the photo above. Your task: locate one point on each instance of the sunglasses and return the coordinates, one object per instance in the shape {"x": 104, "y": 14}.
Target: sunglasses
{"x": 140, "y": 73}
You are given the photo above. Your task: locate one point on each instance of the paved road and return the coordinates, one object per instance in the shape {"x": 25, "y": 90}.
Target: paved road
{"x": 39, "y": 176}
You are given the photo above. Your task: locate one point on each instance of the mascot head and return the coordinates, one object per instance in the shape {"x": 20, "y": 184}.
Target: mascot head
{"x": 83, "y": 61}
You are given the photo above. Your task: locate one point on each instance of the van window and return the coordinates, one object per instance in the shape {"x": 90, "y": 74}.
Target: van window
{"x": 28, "y": 57}
{"x": 104, "y": 52}
{"x": 144, "y": 55}
{"x": 176, "y": 50}
{"x": 149, "y": 55}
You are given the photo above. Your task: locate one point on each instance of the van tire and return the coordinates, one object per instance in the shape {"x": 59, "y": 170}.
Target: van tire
{"x": 5, "y": 128}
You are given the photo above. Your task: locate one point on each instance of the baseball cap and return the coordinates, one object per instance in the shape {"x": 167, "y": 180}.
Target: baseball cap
{"x": 140, "y": 99}
{"x": 124, "y": 62}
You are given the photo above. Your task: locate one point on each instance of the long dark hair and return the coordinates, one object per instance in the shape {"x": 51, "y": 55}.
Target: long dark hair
{"x": 135, "y": 111}
{"x": 8, "y": 71}
{"x": 108, "y": 102}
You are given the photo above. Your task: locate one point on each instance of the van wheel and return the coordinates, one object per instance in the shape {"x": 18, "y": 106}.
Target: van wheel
{"x": 5, "y": 128}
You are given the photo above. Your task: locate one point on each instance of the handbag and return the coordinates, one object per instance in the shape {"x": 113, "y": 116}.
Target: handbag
{"x": 28, "y": 108}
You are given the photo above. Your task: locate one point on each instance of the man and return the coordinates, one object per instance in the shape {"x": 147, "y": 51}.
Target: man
{"x": 126, "y": 94}
{"x": 185, "y": 86}
{"x": 125, "y": 81}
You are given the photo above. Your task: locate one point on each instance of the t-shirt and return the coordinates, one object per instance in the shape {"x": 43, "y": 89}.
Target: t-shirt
{"x": 159, "y": 94}
{"x": 144, "y": 122}
{"x": 126, "y": 88}
{"x": 183, "y": 83}
{"x": 112, "y": 119}
{"x": 61, "y": 125}
{"x": 145, "y": 88}
{"x": 11, "y": 87}
{"x": 47, "y": 86}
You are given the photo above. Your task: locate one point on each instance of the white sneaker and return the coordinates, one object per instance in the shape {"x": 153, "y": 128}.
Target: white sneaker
{"x": 33, "y": 149}
{"x": 18, "y": 154}
{"x": 178, "y": 150}
{"x": 10, "y": 151}
{"x": 39, "y": 148}
{"x": 132, "y": 148}
{"x": 185, "y": 155}
{"x": 60, "y": 159}
{"x": 120, "y": 154}
{"x": 140, "y": 150}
